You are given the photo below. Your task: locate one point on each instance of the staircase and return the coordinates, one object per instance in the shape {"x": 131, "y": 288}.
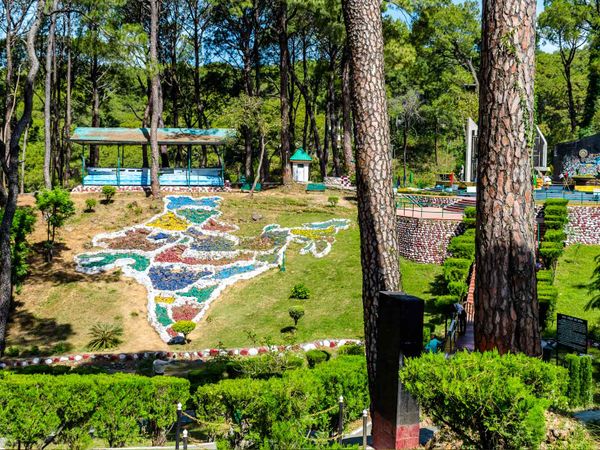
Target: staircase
{"x": 459, "y": 206}
{"x": 467, "y": 341}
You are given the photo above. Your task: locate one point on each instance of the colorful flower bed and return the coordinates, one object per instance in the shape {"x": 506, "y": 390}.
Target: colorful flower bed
{"x": 185, "y": 256}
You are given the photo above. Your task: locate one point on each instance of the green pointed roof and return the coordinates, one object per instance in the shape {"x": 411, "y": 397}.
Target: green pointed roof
{"x": 300, "y": 155}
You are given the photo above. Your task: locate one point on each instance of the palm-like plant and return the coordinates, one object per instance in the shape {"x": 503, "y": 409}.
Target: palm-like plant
{"x": 105, "y": 336}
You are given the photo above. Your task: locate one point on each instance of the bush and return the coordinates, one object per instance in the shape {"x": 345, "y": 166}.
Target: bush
{"x": 555, "y": 222}
{"x": 555, "y": 236}
{"x": 470, "y": 212}
{"x": 32, "y": 407}
{"x": 296, "y": 313}
{"x": 547, "y": 298}
{"x": 22, "y": 225}
{"x": 108, "y": 192}
{"x": 556, "y": 202}
{"x": 456, "y": 269}
{"x": 333, "y": 201}
{"x": 461, "y": 249}
{"x": 444, "y": 303}
{"x": 545, "y": 276}
{"x": 488, "y": 400}
{"x": 573, "y": 390}
{"x": 12, "y": 352}
{"x": 105, "y": 336}
{"x": 555, "y": 210}
{"x": 458, "y": 289}
{"x": 90, "y": 204}
{"x": 278, "y": 411}
{"x": 314, "y": 357}
{"x": 352, "y": 349}
{"x": 184, "y": 327}
{"x": 551, "y": 251}
{"x": 300, "y": 292}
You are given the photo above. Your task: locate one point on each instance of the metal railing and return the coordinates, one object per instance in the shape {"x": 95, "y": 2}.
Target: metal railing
{"x": 416, "y": 209}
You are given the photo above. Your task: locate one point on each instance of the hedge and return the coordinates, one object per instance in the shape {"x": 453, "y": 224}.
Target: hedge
{"x": 278, "y": 411}
{"x": 488, "y": 400}
{"x": 555, "y": 236}
{"x": 547, "y": 298}
{"x": 580, "y": 389}
{"x": 461, "y": 249}
{"x": 456, "y": 269}
{"x": 556, "y": 202}
{"x": 470, "y": 212}
{"x": 33, "y": 407}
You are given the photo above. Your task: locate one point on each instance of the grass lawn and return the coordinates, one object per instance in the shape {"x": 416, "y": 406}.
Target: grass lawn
{"x": 573, "y": 274}
{"x": 59, "y": 305}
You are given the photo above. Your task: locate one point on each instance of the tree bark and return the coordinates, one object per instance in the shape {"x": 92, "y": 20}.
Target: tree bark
{"x": 572, "y": 113}
{"x": 11, "y": 170}
{"x": 94, "y": 77}
{"x": 376, "y": 209}
{"x": 155, "y": 186}
{"x": 68, "y": 106}
{"x": 347, "y": 115}
{"x": 48, "y": 99}
{"x": 284, "y": 95}
{"x": 506, "y": 307}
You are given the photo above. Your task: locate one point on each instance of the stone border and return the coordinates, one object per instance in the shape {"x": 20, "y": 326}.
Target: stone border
{"x": 80, "y": 189}
{"x": 184, "y": 355}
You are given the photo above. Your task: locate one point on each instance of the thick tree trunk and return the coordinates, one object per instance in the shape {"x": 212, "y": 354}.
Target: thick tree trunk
{"x": 593, "y": 88}
{"x": 155, "y": 98}
{"x": 404, "y": 151}
{"x": 48, "y": 99}
{"x": 284, "y": 96}
{"x": 347, "y": 115}
{"x": 94, "y": 76}
{"x": 506, "y": 307}
{"x": 11, "y": 170}
{"x": 376, "y": 210}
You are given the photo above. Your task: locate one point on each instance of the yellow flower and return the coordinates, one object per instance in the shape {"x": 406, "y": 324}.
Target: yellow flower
{"x": 170, "y": 221}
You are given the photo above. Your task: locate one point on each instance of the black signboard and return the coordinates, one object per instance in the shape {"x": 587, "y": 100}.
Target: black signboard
{"x": 571, "y": 332}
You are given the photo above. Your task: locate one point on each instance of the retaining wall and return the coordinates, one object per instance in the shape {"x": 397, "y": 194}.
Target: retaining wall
{"x": 426, "y": 240}
{"x": 584, "y": 225}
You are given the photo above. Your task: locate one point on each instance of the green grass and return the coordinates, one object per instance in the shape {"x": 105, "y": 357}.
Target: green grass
{"x": 573, "y": 274}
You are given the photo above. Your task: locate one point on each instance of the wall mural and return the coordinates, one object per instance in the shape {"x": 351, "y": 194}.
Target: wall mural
{"x": 185, "y": 256}
{"x": 574, "y": 164}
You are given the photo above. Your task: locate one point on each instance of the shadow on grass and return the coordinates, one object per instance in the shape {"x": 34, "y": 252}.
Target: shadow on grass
{"x": 290, "y": 329}
{"x": 36, "y": 331}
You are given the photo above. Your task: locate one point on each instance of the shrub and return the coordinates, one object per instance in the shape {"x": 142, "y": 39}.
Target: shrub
{"x": 555, "y": 222}
{"x": 551, "y": 251}
{"x": 90, "y": 204}
{"x": 586, "y": 384}
{"x": 469, "y": 223}
{"x": 556, "y": 202}
{"x": 351, "y": 349}
{"x": 456, "y": 269}
{"x": 296, "y": 313}
{"x": 300, "y": 292}
{"x": 545, "y": 276}
{"x": 184, "y": 327}
{"x": 314, "y": 357}
{"x": 108, "y": 192}
{"x": 32, "y": 407}
{"x": 12, "y": 352}
{"x": 444, "y": 303}
{"x": 573, "y": 390}
{"x": 458, "y": 289}
{"x": 555, "y": 236}
{"x": 105, "y": 336}
{"x": 278, "y": 411}
{"x": 555, "y": 210}
{"x": 463, "y": 250}
{"x": 547, "y": 297}
{"x": 333, "y": 201}
{"x": 488, "y": 400}
{"x": 470, "y": 212}
{"x": 22, "y": 225}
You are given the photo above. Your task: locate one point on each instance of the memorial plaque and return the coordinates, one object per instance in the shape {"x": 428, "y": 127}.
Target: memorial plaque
{"x": 571, "y": 332}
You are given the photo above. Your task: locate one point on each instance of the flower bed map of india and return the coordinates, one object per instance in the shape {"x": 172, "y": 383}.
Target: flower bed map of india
{"x": 185, "y": 256}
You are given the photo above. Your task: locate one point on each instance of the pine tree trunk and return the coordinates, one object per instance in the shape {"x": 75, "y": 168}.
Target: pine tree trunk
{"x": 376, "y": 209}
{"x": 94, "y": 75}
{"x": 572, "y": 113}
{"x": 155, "y": 186}
{"x": 48, "y": 99}
{"x": 347, "y": 115}
{"x": 284, "y": 95}
{"x": 68, "y": 106}
{"x": 11, "y": 170}
{"x": 506, "y": 307}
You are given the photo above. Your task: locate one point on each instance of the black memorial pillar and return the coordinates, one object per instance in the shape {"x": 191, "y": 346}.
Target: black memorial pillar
{"x": 399, "y": 334}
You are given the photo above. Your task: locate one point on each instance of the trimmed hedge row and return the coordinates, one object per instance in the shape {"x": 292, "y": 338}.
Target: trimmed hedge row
{"x": 488, "y": 400}
{"x": 33, "y": 407}
{"x": 282, "y": 412}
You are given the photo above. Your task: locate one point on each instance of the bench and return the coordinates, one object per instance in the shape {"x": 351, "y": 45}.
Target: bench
{"x": 315, "y": 187}
{"x": 247, "y": 187}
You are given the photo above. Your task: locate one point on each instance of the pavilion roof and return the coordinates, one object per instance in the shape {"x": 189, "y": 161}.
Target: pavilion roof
{"x": 141, "y": 136}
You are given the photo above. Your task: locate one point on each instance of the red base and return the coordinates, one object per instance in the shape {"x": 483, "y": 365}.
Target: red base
{"x": 387, "y": 435}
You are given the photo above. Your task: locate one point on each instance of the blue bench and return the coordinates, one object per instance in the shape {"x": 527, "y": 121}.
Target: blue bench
{"x": 315, "y": 187}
